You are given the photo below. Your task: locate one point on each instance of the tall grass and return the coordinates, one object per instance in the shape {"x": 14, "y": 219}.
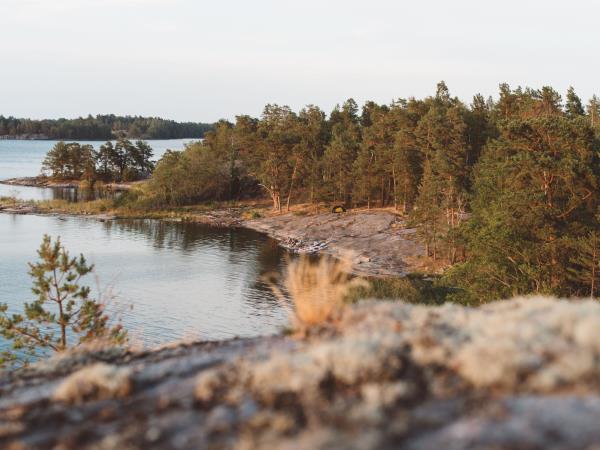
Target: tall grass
{"x": 318, "y": 290}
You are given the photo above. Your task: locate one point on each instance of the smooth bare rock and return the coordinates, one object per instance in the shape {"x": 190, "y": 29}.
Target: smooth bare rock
{"x": 376, "y": 242}
{"x": 518, "y": 374}
{"x": 528, "y": 422}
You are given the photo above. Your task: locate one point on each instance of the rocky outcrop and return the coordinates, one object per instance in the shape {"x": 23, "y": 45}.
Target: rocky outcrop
{"x": 519, "y": 374}
{"x": 377, "y": 242}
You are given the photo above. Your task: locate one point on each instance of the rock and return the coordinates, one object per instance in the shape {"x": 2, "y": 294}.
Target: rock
{"x": 220, "y": 419}
{"x": 518, "y": 374}
{"x": 212, "y": 384}
{"x": 365, "y": 233}
{"x": 544, "y": 423}
{"x": 387, "y": 394}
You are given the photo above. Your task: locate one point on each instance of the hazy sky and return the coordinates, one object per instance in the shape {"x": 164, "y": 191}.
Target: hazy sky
{"x": 205, "y": 60}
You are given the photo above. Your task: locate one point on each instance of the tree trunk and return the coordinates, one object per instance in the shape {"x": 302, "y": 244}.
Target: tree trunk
{"x": 292, "y": 184}
{"x": 395, "y": 188}
{"x": 63, "y": 327}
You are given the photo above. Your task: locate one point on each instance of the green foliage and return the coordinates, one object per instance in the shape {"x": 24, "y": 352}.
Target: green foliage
{"x": 202, "y": 172}
{"x": 123, "y": 161}
{"x": 275, "y": 166}
{"x": 412, "y": 288}
{"x": 573, "y": 107}
{"x": 504, "y": 191}
{"x": 584, "y": 267}
{"x": 535, "y": 202}
{"x": 62, "y": 316}
{"x": 70, "y": 161}
{"x": 427, "y": 213}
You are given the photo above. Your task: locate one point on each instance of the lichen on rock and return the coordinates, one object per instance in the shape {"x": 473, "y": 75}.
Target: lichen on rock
{"x": 512, "y": 374}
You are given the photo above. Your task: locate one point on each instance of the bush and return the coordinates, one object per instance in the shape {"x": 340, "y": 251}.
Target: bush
{"x": 413, "y": 288}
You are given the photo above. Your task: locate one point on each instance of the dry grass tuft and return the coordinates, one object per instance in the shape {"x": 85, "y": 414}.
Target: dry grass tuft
{"x": 95, "y": 382}
{"x": 318, "y": 290}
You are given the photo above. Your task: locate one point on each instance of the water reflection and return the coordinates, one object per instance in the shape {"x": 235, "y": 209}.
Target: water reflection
{"x": 75, "y": 195}
{"x": 191, "y": 239}
{"x": 56, "y": 193}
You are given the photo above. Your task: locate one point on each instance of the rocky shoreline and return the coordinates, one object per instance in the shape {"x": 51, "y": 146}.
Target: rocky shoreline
{"x": 45, "y": 182}
{"x": 512, "y": 374}
{"x": 377, "y": 243}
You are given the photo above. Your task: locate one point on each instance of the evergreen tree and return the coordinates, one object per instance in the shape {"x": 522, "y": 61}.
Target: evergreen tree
{"x": 406, "y": 168}
{"x": 62, "y": 316}
{"x": 56, "y": 162}
{"x": 427, "y": 214}
{"x": 277, "y": 137}
{"x": 535, "y": 195}
{"x": 593, "y": 111}
{"x": 584, "y": 266}
{"x": 338, "y": 161}
{"x": 105, "y": 157}
{"x": 549, "y": 101}
{"x": 573, "y": 106}
{"x": 313, "y": 134}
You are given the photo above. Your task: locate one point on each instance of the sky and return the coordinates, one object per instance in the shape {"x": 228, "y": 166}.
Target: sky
{"x": 202, "y": 60}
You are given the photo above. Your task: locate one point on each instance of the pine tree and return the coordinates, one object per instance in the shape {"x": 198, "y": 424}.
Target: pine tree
{"x": 62, "y": 316}
{"x": 313, "y": 137}
{"x": 338, "y": 160}
{"x": 536, "y": 191}
{"x": 549, "y": 101}
{"x": 593, "y": 111}
{"x": 104, "y": 161}
{"x": 57, "y": 161}
{"x": 406, "y": 168}
{"x": 584, "y": 266}
{"x": 277, "y": 137}
{"x": 427, "y": 213}
{"x": 573, "y": 106}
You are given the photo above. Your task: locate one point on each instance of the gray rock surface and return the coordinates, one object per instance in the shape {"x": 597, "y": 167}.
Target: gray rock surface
{"x": 376, "y": 242}
{"x": 519, "y": 374}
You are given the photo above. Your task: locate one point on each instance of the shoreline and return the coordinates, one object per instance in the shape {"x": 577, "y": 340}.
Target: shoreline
{"x": 376, "y": 242}
{"x": 44, "y": 182}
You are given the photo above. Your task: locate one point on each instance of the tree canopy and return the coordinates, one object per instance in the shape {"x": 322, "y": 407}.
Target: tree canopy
{"x": 502, "y": 190}
{"x": 122, "y": 161}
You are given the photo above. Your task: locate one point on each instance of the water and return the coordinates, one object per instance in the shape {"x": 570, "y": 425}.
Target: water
{"x": 24, "y": 159}
{"x": 182, "y": 280}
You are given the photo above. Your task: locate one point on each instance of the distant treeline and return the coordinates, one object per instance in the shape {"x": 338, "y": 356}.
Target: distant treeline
{"x": 101, "y": 127}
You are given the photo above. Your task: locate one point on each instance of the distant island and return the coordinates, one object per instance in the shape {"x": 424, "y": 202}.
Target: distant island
{"x": 101, "y": 127}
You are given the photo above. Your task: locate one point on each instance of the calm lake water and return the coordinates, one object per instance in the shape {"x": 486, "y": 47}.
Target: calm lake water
{"x": 24, "y": 159}
{"x": 182, "y": 280}
{"x": 170, "y": 280}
